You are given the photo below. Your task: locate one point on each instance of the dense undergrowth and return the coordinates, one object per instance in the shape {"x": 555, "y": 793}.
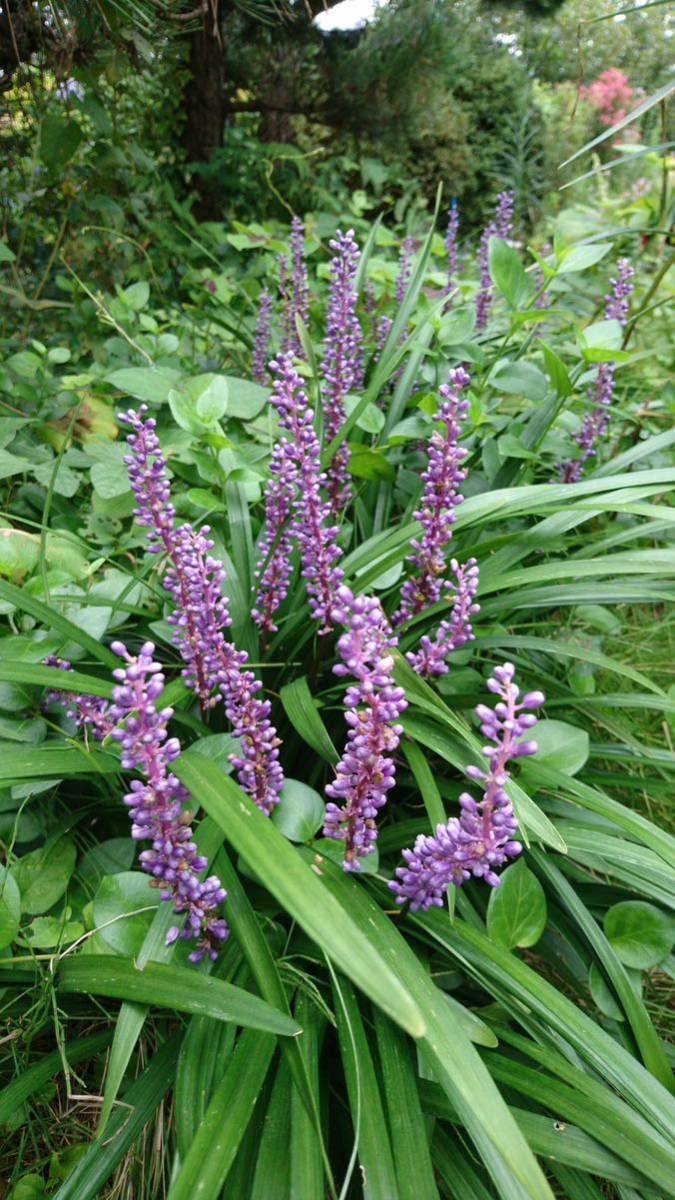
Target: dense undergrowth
{"x": 514, "y": 1041}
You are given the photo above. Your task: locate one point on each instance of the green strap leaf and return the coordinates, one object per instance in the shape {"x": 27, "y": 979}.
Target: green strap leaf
{"x": 171, "y": 987}
{"x": 297, "y": 887}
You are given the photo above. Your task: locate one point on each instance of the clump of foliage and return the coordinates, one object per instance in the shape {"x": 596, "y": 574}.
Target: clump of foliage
{"x": 286, "y": 619}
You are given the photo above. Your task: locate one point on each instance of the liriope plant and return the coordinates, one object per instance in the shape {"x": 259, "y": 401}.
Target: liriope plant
{"x": 358, "y": 979}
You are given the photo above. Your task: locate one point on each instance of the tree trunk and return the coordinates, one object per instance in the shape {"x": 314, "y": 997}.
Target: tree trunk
{"x": 204, "y": 105}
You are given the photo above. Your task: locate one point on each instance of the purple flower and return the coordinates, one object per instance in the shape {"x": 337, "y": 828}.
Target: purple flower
{"x": 88, "y": 712}
{"x": 382, "y": 333}
{"x": 341, "y": 362}
{"x": 451, "y": 245}
{"x": 404, "y": 270}
{"x": 617, "y": 302}
{"x": 366, "y": 771}
{"x": 316, "y": 537}
{"x": 156, "y": 802}
{"x": 276, "y": 545}
{"x": 294, "y": 289}
{"x": 194, "y": 580}
{"x": 261, "y": 340}
{"x": 596, "y": 421}
{"x": 442, "y": 478}
{"x": 482, "y": 837}
{"x": 455, "y": 632}
{"x": 500, "y": 226}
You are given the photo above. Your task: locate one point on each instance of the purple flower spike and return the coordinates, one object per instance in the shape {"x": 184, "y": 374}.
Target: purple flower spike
{"x": 451, "y": 245}
{"x": 404, "y": 270}
{"x": 276, "y": 545}
{"x": 195, "y": 580}
{"x": 156, "y": 804}
{"x": 311, "y": 521}
{"x": 366, "y": 771}
{"x": 500, "y": 226}
{"x": 261, "y": 341}
{"x": 482, "y": 838}
{"x": 601, "y": 394}
{"x": 342, "y": 358}
{"x": 88, "y": 712}
{"x": 294, "y": 289}
{"x": 442, "y": 478}
{"x": 455, "y": 632}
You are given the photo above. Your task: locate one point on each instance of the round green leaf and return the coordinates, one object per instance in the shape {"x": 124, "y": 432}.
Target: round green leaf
{"x": 640, "y": 934}
{"x": 300, "y": 811}
{"x": 10, "y": 908}
{"x": 118, "y": 897}
{"x": 562, "y": 746}
{"x": 516, "y": 914}
{"x": 43, "y": 875}
{"x": 106, "y": 858}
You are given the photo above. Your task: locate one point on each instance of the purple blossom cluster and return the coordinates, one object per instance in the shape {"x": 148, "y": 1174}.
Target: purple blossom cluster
{"x": 451, "y": 248}
{"x": 297, "y": 460}
{"x": 450, "y": 635}
{"x": 88, "y": 712}
{"x": 195, "y": 580}
{"x": 366, "y": 771}
{"x": 601, "y": 394}
{"x": 500, "y": 226}
{"x": 276, "y": 545}
{"x": 342, "y": 358}
{"x": 443, "y": 477}
{"x": 156, "y": 802}
{"x": 261, "y": 340}
{"x": 482, "y": 838}
{"x": 294, "y": 287}
{"x": 404, "y": 269}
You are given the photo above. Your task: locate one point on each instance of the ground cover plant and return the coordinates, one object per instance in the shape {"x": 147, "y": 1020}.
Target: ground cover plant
{"x": 336, "y": 719}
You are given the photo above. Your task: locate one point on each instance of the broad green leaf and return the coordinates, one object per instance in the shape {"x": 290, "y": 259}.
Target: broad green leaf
{"x": 516, "y": 914}
{"x": 641, "y": 934}
{"x": 508, "y": 273}
{"x": 43, "y": 875}
{"x": 246, "y": 399}
{"x": 556, "y": 371}
{"x": 296, "y": 886}
{"x": 143, "y": 383}
{"x": 181, "y": 988}
{"x": 560, "y": 745}
{"x": 6, "y": 255}
{"x": 59, "y": 139}
{"x": 124, "y": 906}
{"x": 300, "y": 811}
{"x": 520, "y": 379}
{"x": 580, "y": 258}
{"x": 10, "y": 911}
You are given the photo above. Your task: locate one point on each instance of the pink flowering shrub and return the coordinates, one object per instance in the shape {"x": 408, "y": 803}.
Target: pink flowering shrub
{"x": 610, "y": 95}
